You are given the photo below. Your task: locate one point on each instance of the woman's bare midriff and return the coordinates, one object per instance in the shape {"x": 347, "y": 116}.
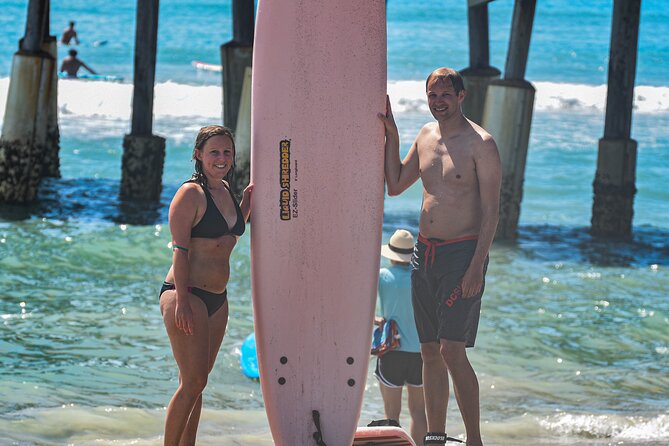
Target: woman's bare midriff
{"x": 209, "y": 261}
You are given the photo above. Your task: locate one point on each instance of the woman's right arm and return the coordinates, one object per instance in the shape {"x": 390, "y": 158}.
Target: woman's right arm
{"x": 183, "y": 211}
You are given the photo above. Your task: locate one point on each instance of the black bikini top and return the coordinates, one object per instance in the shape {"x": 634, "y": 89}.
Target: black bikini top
{"x": 213, "y": 224}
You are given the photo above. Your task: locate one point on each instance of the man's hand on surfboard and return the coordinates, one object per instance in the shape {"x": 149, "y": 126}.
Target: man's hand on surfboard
{"x": 389, "y": 121}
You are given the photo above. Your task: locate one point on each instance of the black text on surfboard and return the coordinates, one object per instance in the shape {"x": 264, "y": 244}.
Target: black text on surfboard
{"x": 295, "y": 203}
{"x": 284, "y": 202}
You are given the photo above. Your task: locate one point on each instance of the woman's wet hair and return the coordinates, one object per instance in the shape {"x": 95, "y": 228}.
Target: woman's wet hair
{"x": 203, "y": 136}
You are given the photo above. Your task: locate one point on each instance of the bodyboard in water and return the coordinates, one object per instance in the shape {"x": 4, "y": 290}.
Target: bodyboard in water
{"x": 382, "y": 436}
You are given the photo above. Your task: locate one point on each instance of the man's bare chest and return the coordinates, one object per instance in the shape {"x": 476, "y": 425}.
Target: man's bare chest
{"x": 447, "y": 164}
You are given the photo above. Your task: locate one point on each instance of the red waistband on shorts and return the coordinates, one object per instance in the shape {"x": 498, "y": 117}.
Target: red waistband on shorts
{"x": 432, "y": 245}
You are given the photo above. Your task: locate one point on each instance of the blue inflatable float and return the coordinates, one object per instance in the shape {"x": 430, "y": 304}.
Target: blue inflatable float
{"x": 249, "y": 359}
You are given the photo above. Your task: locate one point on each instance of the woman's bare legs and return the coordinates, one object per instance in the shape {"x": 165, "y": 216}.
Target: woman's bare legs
{"x": 191, "y": 353}
{"x": 392, "y": 401}
{"x": 217, "y": 324}
{"x": 416, "y": 403}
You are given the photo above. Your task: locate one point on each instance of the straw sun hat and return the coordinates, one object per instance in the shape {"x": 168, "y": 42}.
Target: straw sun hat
{"x": 399, "y": 247}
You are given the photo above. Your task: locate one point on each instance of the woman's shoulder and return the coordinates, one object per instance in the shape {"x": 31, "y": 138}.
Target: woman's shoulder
{"x": 191, "y": 188}
{"x": 190, "y": 193}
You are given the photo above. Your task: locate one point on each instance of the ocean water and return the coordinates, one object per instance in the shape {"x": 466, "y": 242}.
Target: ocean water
{"x": 573, "y": 347}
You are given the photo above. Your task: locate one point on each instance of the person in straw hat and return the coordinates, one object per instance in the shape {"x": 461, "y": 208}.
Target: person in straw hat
{"x": 402, "y": 366}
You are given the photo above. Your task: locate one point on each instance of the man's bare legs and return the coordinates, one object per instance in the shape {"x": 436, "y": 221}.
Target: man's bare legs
{"x": 466, "y": 387}
{"x": 435, "y": 386}
{"x": 438, "y": 361}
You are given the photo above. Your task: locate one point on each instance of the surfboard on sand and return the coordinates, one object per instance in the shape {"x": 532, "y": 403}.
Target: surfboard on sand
{"x": 319, "y": 80}
{"x": 382, "y": 436}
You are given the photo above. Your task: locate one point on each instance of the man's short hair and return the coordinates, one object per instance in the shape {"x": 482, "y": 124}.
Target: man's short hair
{"x": 444, "y": 73}
{"x": 72, "y": 52}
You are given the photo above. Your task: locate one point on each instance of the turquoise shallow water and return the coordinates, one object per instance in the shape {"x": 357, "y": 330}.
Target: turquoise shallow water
{"x": 573, "y": 346}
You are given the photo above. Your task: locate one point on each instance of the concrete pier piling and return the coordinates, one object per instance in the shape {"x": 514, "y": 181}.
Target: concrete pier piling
{"x": 236, "y": 56}
{"x": 478, "y": 75}
{"x": 508, "y": 117}
{"x": 143, "y": 152}
{"x": 614, "y": 185}
{"x": 29, "y": 104}
{"x": 51, "y": 161}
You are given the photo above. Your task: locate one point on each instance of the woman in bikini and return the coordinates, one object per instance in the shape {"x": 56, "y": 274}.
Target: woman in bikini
{"x": 205, "y": 221}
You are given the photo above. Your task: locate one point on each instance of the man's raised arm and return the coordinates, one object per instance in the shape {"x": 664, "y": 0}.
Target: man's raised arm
{"x": 399, "y": 174}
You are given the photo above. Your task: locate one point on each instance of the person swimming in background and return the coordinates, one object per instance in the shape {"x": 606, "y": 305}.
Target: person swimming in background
{"x": 69, "y": 34}
{"x": 71, "y": 64}
{"x": 205, "y": 221}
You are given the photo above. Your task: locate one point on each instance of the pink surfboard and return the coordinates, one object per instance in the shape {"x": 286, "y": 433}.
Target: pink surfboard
{"x": 319, "y": 80}
{"x": 382, "y": 436}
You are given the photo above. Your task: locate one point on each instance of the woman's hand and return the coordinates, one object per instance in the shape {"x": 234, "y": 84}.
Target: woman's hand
{"x": 183, "y": 316}
{"x": 248, "y": 190}
{"x": 245, "y": 205}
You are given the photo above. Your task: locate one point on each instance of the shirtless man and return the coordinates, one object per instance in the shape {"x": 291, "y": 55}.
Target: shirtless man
{"x": 71, "y": 64}
{"x": 68, "y": 34}
{"x": 459, "y": 166}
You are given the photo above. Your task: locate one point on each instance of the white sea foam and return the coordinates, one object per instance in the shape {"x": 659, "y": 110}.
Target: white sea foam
{"x": 72, "y": 424}
{"x": 111, "y": 101}
{"x": 615, "y": 427}
{"x": 409, "y": 96}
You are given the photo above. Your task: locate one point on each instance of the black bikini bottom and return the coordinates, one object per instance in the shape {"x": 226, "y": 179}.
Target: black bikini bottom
{"x": 213, "y": 301}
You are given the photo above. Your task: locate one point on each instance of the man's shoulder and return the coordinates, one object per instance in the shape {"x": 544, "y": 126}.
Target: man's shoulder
{"x": 479, "y": 131}
{"x": 429, "y": 130}
{"x": 480, "y": 138}
{"x": 430, "y": 127}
